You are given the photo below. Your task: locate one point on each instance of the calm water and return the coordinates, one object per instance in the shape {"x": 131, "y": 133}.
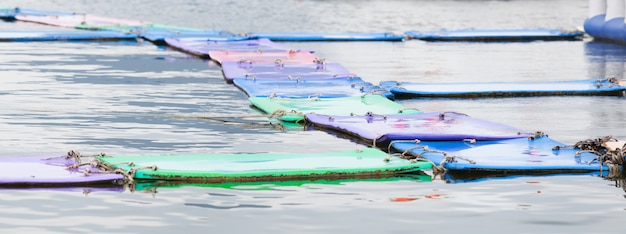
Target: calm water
{"x": 136, "y": 98}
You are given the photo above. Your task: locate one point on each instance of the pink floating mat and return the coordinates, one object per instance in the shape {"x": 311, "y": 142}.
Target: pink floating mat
{"x": 277, "y": 71}
{"x": 264, "y": 57}
{"x": 72, "y": 21}
{"x": 433, "y": 126}
{"x": 202, "y": 46}
{"x": 50, "y": 170}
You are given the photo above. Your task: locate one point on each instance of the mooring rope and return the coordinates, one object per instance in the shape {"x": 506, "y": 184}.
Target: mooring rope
{"x": 442, "y": 115}
{"x": 319, "y": 60}
{"x": 614, "y": 159}
{"x": 408, "y": 108}
{"x": 281, "y": 113}
{"x": 74, "y": 154}
{"x": 102, "y": 168}
{"x": 279, "y": 63}
{"x": 437, "y": 168}
{"x": 535, "y": 135}
{"x": 132, "y": 171}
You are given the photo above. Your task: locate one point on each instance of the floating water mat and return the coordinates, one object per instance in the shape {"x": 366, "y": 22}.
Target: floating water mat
{"x": 534, "y": 154}
{"x": 79, "y": 20}
{"x": 10, "y": 12}
{"x": 144, "y": 28}
{"x": 293, "y": 110}
{"x": 280, "y": 71}
{"x": 202, "y": 46}
{"x": 217, "y": 168}
{"x": 283, "y": 57}
{"x": 153, "y": 186}
{"x": 300, "y": 36}
{"x": 51, "y": 171}
{"x": 63, "y": 35}
{"x": 158, "y": 34}
{"x": 531, "y": 177}
{"x": 379, "y": 130}
{"x": 327, "y": 88}
{"x": 506, "y": 89}
{"x": 495, "y": 35}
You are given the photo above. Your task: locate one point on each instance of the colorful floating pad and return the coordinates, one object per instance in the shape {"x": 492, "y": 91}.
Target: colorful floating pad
{"x": 282, "y": 57}
{"x": 202, "y": 46}
{"x": 505, "y": 89}
{"x": 64, "y": 35}
{"x": 457, "y": 177}
{"x": 79, "y": 20}
{"x": 495, "y": 35}
{"x": 11, "y": 12}
{"x": 293, "y": 110}
{"x": 152, "y": 185}
{"x": 262, "y": 71}
{"x": 382, "y": 36}
{"x": 523, "y": 154}
{"x": 328, "y": 88}
{"x": 53, "y": 171}
{"x": 158, "y": 34}
{"x": 380, "y": 130}
{"x": 149, "y": 27}
{"x": 217, "y": 168}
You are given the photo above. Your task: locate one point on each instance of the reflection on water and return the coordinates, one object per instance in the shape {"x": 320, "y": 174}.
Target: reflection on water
{"x": 136, "y": 98}
{"x": 605, "y": 59}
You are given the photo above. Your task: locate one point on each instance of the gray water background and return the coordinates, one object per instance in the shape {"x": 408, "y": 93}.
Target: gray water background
{"x": 136, "y": 98}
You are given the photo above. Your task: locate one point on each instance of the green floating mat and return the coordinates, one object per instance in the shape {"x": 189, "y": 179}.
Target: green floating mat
{"x": 220, "y": 168}
{"x": 293, "y": 109}
{"x": 153, "y": 185}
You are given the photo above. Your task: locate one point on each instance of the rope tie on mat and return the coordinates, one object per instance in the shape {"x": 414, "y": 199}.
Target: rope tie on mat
{"x": 289, "y": 77}
{"x": 349, "y": 75}
{"x": 245, "y": 60}
{"x": 405, "y": 109}
{"x": 610, "y": 151}
{"x": 315, "y": 96}
{"x": 320, "y": 61}
{"x": 74, "y": 154}
{"x": 279, "y": 63}
{"x": 102, "y": 168}
{"x": 442, "y": 115}
{"x": 133, "y": 171}
{"x": 437, "y": 168}
{"x": 280, "y": 113}
{"x": 535, "y": 135}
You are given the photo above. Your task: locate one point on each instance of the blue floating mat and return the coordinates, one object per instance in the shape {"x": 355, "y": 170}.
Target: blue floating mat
{"x": 458, "y": 177}
{"x": 64, "y": 35}
{"x": 277, "y": 71}
{"x": 10, "y": 12}
{"x": 523, "y": 154}
{"x": 383, "y": 36}
{"x": 328, "y": 88}
{"x": 159, "y": 35}
{"x": 202, "y": 46}
{"x": 379, "y": 130}
{"x": 505, "y": 89}
{"x": 495, "y": 35}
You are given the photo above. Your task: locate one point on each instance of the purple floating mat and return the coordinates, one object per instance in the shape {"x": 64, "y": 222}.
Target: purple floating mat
{"x": 201, "y": 47}
{"x": 51, "y": 170}
{"x": 273, "y": 71}
{"x": 432, "y": 126}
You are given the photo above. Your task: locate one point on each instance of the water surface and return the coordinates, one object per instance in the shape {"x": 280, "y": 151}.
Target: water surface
{"x": 136, "y": 98}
